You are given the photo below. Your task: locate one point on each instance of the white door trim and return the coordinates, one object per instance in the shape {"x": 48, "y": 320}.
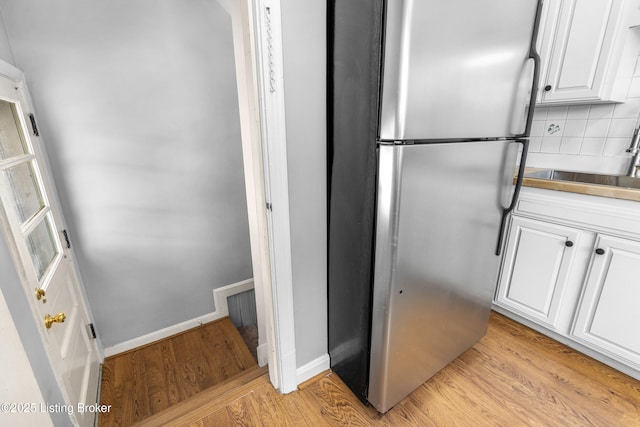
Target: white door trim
{"x": 258, "y": 55}
{"x": 9, "y": 71}
{"x": 268, "y": 46}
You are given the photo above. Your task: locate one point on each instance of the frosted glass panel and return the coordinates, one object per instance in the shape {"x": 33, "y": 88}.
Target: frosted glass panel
{"x": 26, "y": 196}
{"x": 11, "y": 138}
{"x": 41, "y": 247}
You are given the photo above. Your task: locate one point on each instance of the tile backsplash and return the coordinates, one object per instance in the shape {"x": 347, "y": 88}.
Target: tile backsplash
{"x": 586, "y": 137}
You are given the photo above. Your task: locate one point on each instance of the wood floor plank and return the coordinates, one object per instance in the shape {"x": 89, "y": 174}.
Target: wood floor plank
{"x": 108, "y": 392}
{"x": 209, "y": 401}
{"x": 519, "y": 401}
{"x": 155, "y": 379}
{"x": 175, "y": 391}
{"x": 299, "y": 413}
{"x": 338, "y": 407}
{"x": 146, "y": 381}
{"x": 226, "y": 339}
{"x": 192, "y": 364}
{"x": 220, "y": 418}
{"x": 264, "y": 405}
{"x": 130, "y": 391}
{"x": 243, "y": 357}
{"x": 516, "y": 334}
{"x": 444, "y": 402}
{"x": 533, "y": 390}
{"x": 465, "y": 399}
{"x": 512, "y": 377}
{"x": 304, "y": 406}
{"x": 490, "y": 384}
{"x": 406, "y": 413}
{"x": 559, "y": 380}
{"x": 217, "y": 353}
{"x": 239, "y": 415}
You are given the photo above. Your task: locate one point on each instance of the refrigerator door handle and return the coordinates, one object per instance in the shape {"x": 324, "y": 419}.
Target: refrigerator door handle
{"x": 533, "y": 55}
{"x": 516, "y": 193}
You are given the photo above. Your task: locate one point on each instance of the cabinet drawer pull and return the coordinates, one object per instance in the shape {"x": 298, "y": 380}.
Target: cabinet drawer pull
{"x": 600, "y": 251}
{"x": 568, "y": 243}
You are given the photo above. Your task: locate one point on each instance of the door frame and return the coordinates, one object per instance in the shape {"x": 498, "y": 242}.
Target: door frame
{"x": 257, "y": 36}
{"x": 257, "y": 39}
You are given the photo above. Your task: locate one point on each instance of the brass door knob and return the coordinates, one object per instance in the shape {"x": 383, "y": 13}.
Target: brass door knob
{"x": 50, "y": 320}
{"x": 40, "y": 294}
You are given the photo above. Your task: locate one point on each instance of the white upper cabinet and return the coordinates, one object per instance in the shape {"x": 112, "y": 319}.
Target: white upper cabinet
{"x": 588, "y": 51}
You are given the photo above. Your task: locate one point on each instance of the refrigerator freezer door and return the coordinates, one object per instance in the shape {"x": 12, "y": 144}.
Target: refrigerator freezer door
{"x": 438, "y": 213}
{"x": 457, "y": 69}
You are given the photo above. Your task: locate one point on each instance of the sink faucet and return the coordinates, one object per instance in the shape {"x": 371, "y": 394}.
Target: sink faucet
{"x": 634, "y": 149}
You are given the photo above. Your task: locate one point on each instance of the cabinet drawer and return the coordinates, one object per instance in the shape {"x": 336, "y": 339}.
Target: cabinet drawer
{"x": 613, "y": 216}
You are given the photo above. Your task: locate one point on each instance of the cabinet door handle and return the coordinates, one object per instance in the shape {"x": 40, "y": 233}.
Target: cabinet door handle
{"x": 568, "y": 243}
{"x": 600, "y": 251}
{"x": 547, "y": 88}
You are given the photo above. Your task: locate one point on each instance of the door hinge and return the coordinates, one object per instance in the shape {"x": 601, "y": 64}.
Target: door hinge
{"x": 66, "y": 238}
{"x": 92, "y": 331}
{"x": 34, "y": 126}
{"x": 269, "y": 207}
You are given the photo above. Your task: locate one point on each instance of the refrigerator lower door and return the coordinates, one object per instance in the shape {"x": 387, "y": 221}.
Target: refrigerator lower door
{"x": 438, "y": 213}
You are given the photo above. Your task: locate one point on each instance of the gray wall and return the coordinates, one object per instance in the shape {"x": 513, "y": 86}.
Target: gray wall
{"x": 6, "y": 54}
{"x": 304, "y": 51}
{"x": 136, "y": 101}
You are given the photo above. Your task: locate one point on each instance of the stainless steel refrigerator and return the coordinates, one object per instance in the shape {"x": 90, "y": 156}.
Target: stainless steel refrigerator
{"x": 429, "y": 104}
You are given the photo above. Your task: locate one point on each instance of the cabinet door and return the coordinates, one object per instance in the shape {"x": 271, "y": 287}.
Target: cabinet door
{"x": 583, "y": 37}
{"x": 536, "y": 267}
{"x": 608, "y": 315}
{"x": 549, "y": 17}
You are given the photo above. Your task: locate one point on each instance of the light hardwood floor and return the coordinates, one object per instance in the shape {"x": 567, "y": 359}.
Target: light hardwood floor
{"x": 512, "y": 377}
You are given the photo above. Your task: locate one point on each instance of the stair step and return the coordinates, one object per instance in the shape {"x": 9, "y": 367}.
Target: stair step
{"x": 210, "y": 400}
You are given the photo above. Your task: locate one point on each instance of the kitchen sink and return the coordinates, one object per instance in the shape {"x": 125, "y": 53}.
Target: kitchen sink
{"x": 622, "y": 181}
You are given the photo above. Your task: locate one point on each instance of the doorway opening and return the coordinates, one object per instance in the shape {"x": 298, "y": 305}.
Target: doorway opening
{"x": 259, "y": 223}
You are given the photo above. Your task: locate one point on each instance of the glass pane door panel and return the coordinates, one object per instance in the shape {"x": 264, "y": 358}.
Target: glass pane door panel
{"x": 42, "y": 247}
{"x": 26, "y": 195}
{"x": 11, "y": 139}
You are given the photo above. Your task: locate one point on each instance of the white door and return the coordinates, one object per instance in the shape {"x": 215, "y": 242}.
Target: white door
{"x": 33, "y": 227}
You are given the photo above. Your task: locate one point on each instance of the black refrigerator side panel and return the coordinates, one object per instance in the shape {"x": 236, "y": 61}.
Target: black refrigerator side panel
{"x": 354, "y": 55}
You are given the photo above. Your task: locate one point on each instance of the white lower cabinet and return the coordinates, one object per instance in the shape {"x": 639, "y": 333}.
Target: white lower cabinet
{"x": 536, "y": 267}
{"x": 608, "y": 316}
{"x": 571, "y": 270}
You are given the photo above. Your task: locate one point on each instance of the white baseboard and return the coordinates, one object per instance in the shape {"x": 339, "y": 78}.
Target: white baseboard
{"x": 263, "y": 355}
{"x": 220, "y": 296}
{"x": 313, "y": 368}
